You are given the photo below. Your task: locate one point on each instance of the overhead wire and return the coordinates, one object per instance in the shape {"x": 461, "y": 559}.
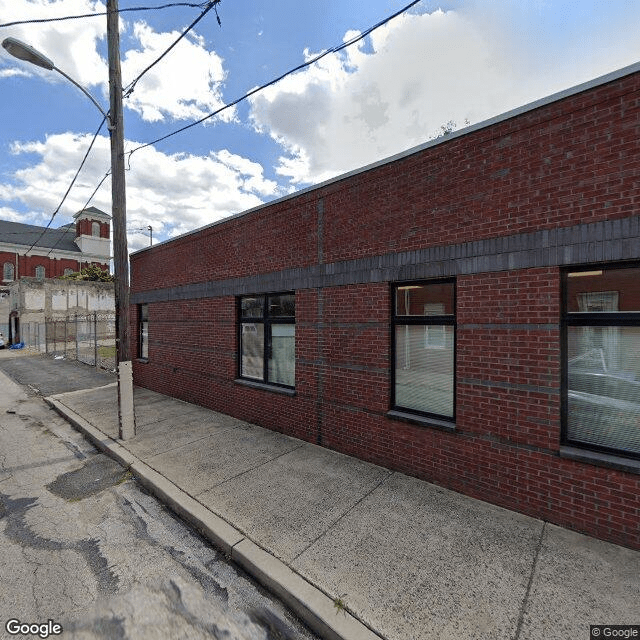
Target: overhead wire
{"x": 210, "y": 4}
{"x": 84, "y": 159}
{"x": 198, "y": 5}
{"x": 128, "y": 90}
{"x": 207, "y": 6}
{"x": 305, "y": 64}
{"x": 86, "y": 204}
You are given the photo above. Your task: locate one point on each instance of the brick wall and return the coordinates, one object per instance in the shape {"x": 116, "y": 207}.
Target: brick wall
{"x": 501, "y": 210}
{"x": 53, "y": 266}
{"x": 84, "y": 228}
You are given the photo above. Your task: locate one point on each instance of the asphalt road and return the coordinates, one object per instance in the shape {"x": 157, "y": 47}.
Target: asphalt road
{"x": 83, "y": 545}
{"x": 50, "y": 376}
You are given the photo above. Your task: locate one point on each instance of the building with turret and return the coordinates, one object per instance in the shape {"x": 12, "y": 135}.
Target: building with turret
{"x": 38, "y": 252}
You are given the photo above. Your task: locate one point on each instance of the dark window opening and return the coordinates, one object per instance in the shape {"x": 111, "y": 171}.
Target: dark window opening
{"x": 267, "y": 338}
{"x": 143, "y": 331}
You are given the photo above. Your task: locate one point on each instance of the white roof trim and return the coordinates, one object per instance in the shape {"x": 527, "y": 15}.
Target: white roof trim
{"x": 536, "y": 104}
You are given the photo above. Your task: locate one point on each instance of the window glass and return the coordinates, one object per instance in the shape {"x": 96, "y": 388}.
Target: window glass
{"x": 424, "y": 342}
{"x": 252, "y": 345}
{"x": 282, "y": 305}
{"x": 252, "y": 307}
{"x": 602, "y": 359}
{"x": 95, "y": 229}
{"x": 144, "y": 330}
{"x": 8, "y": 271}
{"x": 268, "y": 337}
{"x": 428, "y": 299}
{"x": 282, "y": 361}
{"x": 40, "y": 273}
{"x": 603, "y": 291}
{"x": 604, "y": 386}
{"x": 424, "y": 376}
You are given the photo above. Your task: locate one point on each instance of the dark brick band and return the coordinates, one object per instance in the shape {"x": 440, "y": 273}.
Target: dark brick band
{"x": 581, "y": 244}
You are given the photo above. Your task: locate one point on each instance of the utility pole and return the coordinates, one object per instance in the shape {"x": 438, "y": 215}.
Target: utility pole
{"x": 126, "y": 416}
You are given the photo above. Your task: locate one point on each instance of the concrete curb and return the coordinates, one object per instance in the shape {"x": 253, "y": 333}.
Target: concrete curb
{"x": 308, "y": 602}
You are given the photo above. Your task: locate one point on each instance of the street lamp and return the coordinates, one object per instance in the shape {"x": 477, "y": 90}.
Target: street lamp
{"x": 27, "y": 53}
{"x": 150, "y": 230}
{"x": 18, "y": 49}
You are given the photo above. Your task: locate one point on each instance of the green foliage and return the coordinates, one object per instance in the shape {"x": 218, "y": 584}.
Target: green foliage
{"x": 92, "y": 273}
{"x": 340, "y": 605}
{"x": 449, "y": 127}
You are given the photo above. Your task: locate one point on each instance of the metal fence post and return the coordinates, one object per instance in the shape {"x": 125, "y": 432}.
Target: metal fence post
{"x": 76, "y": 322}
{"x": 95, "y": 338}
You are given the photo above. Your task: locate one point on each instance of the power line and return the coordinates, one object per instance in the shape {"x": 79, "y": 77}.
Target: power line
{"x": 86, "y": 204}
{"x": 128, "y": 90}
{"x": 53, "y": 215}
{"x": 93, "y": 15}
{"x": 61, "y": 230}
{"x": 208, "y": 6}
{"x": 308, "y": 63}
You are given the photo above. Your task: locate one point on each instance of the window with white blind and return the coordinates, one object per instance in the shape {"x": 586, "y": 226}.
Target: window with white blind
{"x": 601, "y": 359}
{"x": 424, "y": 348}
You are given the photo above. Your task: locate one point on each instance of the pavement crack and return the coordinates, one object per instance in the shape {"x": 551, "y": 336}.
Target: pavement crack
{"x": 262, "y": 464}
{"x": 349, "y": 510}
{"x": 525, "y": 600}
{"x": 35, "y": 465}
{"x": 204, "y": 578}
{"x": 18, "y": 531}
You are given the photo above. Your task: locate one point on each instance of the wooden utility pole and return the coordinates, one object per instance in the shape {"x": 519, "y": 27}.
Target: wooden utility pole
{"x": 119, "y": 223}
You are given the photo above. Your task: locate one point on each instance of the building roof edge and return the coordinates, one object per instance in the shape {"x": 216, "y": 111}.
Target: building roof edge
{"x": 507, "y": 115}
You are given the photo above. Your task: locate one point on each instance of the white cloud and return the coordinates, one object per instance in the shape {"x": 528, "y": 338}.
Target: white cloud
{"x": 421, "y": 71}
{"x": 71, "y": 44}
{"x": 9, "y": 73}
{"x": 9, "y": 214}
{"x": 172, "y": 193}
{"x": 186, "y": 84}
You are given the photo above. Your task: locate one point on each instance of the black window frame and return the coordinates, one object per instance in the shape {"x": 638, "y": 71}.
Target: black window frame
{"x": 142, "y": 318}
{"x": 588, "y": 319}
{"x": 267, "y": 320}
{"x": 402, "y": 320}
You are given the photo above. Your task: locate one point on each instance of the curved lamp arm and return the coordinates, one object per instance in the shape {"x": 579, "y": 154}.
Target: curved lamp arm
{"x": 22, "y": 51}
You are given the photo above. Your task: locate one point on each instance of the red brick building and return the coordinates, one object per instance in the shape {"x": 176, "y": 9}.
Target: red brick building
{"x": 33, "y": 251}
{"x": 467, "y": 312}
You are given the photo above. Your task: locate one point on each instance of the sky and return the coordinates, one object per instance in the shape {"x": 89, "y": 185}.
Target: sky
{"x": 453, "y": 61}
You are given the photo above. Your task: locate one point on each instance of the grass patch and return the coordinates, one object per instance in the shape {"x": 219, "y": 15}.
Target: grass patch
{"x": 340, "y": 605}
{"x": 127, "y": 475}
{"x": 107, "y": 352}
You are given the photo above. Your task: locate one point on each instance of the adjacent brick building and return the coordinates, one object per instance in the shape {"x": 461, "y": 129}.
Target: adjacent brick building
{"x": 32, "y": 251}
{"x": 37, "y": 252}
{"x": 467, "y": 312}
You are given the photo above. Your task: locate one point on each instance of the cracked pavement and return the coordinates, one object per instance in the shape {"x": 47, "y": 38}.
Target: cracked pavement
{"x": 85, "y": 546}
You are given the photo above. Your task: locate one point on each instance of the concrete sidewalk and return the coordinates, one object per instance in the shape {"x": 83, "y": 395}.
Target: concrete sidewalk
{"x": 407, "y": 559}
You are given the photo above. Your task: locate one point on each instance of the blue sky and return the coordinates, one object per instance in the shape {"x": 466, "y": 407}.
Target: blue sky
{"x": 452, "y": 60}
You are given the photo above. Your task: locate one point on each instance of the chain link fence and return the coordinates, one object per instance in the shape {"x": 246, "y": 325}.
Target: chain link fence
{"x": 90, "y": 339}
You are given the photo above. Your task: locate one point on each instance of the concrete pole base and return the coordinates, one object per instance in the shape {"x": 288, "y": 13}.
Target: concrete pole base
{"x": 126, "y": 415}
